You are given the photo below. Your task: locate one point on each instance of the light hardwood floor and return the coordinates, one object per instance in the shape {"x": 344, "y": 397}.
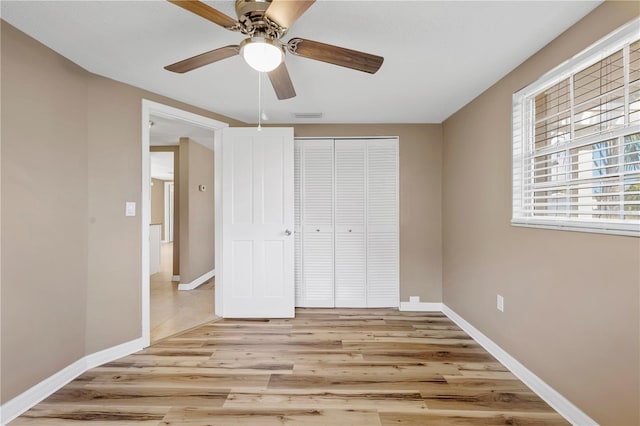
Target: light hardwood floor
{"x": 173, "y": 311}
{"x": 325, "y": 367}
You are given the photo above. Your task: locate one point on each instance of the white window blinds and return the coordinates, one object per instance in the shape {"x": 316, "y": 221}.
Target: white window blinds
{"x": 576, "y": 141}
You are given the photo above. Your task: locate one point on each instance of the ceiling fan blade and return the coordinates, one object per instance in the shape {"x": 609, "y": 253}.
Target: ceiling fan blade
{"x": 207, "y": 12}
{"x": 286, "y": 12}
{"x": 282, "y": 83}
{"x": 203, "y": 59}
{"x": 335, "y": 55}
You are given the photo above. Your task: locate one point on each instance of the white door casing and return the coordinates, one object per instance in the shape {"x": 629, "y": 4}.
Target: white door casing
{"x": 257, "y": 223}
{"x": 149, "y": 109}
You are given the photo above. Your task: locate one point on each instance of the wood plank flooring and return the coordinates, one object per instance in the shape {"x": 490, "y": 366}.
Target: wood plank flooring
{"x": 172, "y": 310}
{"x": 373, "y": 367}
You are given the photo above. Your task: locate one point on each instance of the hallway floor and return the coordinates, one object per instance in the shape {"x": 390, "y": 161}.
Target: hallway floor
{"x": 173, "y": 311}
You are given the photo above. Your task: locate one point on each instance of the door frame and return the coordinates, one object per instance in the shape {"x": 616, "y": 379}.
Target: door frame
{"x": 168, "y": 211}
{"x": 150, "y": 108}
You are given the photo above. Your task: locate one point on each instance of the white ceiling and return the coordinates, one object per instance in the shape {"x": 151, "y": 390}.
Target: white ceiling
{"x": 439, "y": 55}
{"x": 168, "y": 131}
{"x": 162, "y": 165}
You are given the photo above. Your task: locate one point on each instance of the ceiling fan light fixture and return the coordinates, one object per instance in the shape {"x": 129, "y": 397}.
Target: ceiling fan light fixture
{"x": 262, "y": 54}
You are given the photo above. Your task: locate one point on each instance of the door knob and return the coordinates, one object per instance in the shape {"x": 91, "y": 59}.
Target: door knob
{"x": 287, "y": 232}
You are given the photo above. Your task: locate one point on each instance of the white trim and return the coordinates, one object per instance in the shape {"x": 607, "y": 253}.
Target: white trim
{"x": 420, "y": 307}
{"x": 567, "y": 226}
{"x": 552, "y": 397}
{"x": 168, "y": 217}
{"x": 595, "y": 52}
{"x": 153, "y": 108}
{"x": 175, "y": 278}
{"x": 345, "y": 137}
{"x": 524, "y": 153}
{"x": 32, "y": 396}
{"x": 198, "y": 281}
{"x": 217, "y": 201}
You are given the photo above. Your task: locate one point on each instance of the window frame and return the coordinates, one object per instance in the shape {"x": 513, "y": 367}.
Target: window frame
{"x": 523, "y": 126}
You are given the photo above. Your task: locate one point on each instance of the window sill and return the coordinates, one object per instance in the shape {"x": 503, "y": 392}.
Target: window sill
{"x": 627, "y": 230}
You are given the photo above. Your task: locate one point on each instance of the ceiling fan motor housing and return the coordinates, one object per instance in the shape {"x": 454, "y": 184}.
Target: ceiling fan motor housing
{"x": 251, "y": 7}
{"x": 254, "y": 23}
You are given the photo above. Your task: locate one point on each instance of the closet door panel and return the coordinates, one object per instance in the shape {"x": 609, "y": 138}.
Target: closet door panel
{"x": 317, "y": 183}
{"x": 382, "y": 223}
{"x": 297, "y": 228}
{"x": 317, "y": 223}
{"x": 350, "y": 249}
{"x": 318, "y": 269}
{"x": 350, "y": 182}
{"x": 382, "y": 270}
{"x": 350, "y": 274}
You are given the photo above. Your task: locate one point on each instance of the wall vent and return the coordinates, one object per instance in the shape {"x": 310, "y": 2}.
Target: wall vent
{"x": 307, "y": 115}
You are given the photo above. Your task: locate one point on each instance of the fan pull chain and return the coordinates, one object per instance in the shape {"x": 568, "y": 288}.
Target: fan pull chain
{"x": 259, "y": 101}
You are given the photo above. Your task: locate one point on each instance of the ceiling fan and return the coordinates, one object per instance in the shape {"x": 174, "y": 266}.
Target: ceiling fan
{"x": 265, "y": 22}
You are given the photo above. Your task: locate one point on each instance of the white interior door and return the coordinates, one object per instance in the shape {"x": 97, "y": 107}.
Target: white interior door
{"x": 257, "y": 223}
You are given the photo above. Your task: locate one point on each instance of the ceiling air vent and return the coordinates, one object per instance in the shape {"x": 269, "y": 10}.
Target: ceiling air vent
{"x": 307, "y": 115}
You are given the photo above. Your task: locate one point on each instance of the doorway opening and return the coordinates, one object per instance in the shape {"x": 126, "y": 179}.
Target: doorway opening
{"x": 175, "y": 300}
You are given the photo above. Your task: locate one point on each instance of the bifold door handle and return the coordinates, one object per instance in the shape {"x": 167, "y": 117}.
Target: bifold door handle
{"x": 287, "y": 232}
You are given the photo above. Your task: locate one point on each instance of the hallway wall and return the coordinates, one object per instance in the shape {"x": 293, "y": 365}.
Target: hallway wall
{"x": 197, "y": 233}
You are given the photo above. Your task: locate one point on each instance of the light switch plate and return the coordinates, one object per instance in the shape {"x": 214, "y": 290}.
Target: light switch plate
{"x": 130, "y": 208}
{"x": 500, "y": 303}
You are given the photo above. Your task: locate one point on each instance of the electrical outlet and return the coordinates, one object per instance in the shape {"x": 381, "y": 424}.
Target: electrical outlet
{"x": 500, "y": 303}
{"x": 414, "y": 299}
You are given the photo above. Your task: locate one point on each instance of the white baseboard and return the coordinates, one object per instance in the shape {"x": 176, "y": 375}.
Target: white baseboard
{"x": 175, "y": 278}
{"x": 32, "y": 396}
{"x": 198, "y": 281}
{"x": 552, "y": 397}
{"x": 421, "y": 306}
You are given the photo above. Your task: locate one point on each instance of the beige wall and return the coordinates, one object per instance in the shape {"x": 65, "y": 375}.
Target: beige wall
{"x": 44, "y": 213}
{"x": 157, "y": 203}
{"x": 420, "y": 199}
{"x": 571, "y": 321}
{"x": 71, "y": 146}
{"x": 196, "y": 210}
{"x": 574, "y": 326}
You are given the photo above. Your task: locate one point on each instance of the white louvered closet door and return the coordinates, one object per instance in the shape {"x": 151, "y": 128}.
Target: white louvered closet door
{"x": 316, "y": 288}
{"x": 297, "y": 220}
{"x": 350, "y": 250}
{"x": 382, "y": 229}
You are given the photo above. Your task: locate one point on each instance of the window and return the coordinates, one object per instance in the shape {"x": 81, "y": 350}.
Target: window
{"x": 576, "y": 141}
